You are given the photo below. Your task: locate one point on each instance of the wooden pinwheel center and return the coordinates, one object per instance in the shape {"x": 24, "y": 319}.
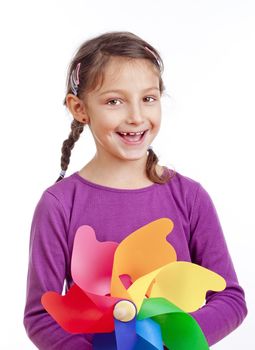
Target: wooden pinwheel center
{"x": 124, "y": 311}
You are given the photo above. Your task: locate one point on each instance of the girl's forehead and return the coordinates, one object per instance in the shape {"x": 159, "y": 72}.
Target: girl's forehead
{"x": 121, "y": 64}
{"x": 122, "y": 69}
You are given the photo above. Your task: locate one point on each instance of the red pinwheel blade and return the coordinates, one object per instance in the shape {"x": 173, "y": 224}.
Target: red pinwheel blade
{"x": 80, "y": 312}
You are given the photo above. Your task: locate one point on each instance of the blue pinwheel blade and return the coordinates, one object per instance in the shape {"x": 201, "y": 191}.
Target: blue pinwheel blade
{"x": 133, "y": 335}
{"x": 104, "y": 341}
{"x": 125, "y": 333}
{"x": 148, "y": 335}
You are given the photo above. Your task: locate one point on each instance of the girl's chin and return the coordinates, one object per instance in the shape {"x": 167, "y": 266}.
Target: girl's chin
{"x": 133, "y": 154}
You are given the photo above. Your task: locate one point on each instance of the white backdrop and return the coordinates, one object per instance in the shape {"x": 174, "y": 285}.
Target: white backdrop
{"x": 207, "y": 132}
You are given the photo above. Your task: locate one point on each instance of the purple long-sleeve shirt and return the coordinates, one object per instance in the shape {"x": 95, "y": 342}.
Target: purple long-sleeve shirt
{"x": 115, "y": 213}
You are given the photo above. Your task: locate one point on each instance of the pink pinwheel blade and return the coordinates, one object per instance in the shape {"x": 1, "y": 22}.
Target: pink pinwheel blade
{"x": 92, "y": 261}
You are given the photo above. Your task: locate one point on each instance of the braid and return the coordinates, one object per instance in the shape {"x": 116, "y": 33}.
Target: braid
{"x": 152, "y": 161}
{"x": 76, "y": 129}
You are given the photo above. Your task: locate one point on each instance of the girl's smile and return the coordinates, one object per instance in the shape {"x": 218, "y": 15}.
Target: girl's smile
{"x": 133, "y": 138}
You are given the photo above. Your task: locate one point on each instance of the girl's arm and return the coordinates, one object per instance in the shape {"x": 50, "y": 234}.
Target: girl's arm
{"x": 224, "y": 311}
{"x": 48, "y": 264}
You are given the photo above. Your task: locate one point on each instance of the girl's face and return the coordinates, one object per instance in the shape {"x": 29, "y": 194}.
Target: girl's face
{"x": 124, "y": 113}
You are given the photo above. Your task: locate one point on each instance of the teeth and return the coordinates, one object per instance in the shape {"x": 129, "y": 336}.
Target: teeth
{"x": 132, "y": 133}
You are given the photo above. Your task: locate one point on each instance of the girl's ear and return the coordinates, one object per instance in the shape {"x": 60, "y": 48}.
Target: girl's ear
{"x": 77, "y": 108}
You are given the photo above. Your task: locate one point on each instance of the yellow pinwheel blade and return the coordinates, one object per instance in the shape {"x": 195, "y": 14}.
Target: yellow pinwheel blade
{"x": 139, "y": 254}
{"x": 141, "y": 286}
{"x": 185, "y": 284}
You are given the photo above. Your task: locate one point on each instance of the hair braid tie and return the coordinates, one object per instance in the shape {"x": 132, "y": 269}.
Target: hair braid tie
{"x": 75, "y": 80}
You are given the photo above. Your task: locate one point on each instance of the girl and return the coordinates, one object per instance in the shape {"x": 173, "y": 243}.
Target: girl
{"x": 114, "y": 86}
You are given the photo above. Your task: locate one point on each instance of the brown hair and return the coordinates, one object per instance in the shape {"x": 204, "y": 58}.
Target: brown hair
{"x": 93, "y": 55}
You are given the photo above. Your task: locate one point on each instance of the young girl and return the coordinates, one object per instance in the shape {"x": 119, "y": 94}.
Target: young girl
{"x": 114, "y": 86}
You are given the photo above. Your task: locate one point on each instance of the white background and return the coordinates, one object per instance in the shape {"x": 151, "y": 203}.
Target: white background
{"x": 208, "y": 48}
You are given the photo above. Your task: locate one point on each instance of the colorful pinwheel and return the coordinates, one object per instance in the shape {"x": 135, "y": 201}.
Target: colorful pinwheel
{"x": 133, "y": 295}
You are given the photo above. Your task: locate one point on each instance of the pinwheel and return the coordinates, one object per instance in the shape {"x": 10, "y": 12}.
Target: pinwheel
{"x": 133, "y": 295}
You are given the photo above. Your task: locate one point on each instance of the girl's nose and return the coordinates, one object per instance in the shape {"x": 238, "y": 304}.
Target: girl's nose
{"x": 135, "y": 115}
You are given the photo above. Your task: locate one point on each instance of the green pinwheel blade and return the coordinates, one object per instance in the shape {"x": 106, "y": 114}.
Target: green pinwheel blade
{"x": 180, "y": 331}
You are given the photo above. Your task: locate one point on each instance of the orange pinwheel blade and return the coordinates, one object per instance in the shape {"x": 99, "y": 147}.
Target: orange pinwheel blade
{"x": 136, "y": 256}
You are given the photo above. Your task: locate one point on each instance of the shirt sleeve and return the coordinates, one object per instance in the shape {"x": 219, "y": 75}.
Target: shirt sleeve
{"x": 224, "y": 311}
{"x": 48, "y": 261}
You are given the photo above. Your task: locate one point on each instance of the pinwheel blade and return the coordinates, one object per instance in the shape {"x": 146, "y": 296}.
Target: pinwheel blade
{"x": 148, "y": 335}
{"x": 136, "y": 255}
{"x": 92, "y": 261}
{"x": 141, "y": 286}
{"x": 185, "y": 284}
{"x": 132, "y": 335}
{"x": 125, "y": 333}
{"x": 179, "y": 330}
{"x": 105, "y": 341}
{"x": 76, "y": 312}
{"x": 124, "y": 337}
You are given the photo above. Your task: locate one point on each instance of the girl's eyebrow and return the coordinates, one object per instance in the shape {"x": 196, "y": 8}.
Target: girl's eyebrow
{"x": 124, "y": 91}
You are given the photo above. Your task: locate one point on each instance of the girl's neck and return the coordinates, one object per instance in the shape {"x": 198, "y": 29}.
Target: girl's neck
{"x": 128, "y": 175}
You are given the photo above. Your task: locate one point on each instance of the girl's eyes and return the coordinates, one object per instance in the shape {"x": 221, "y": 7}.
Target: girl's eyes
{"x": 150, "y": 97}
{"x": 112, "y": 104}
{"x": 118, "y": 100}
